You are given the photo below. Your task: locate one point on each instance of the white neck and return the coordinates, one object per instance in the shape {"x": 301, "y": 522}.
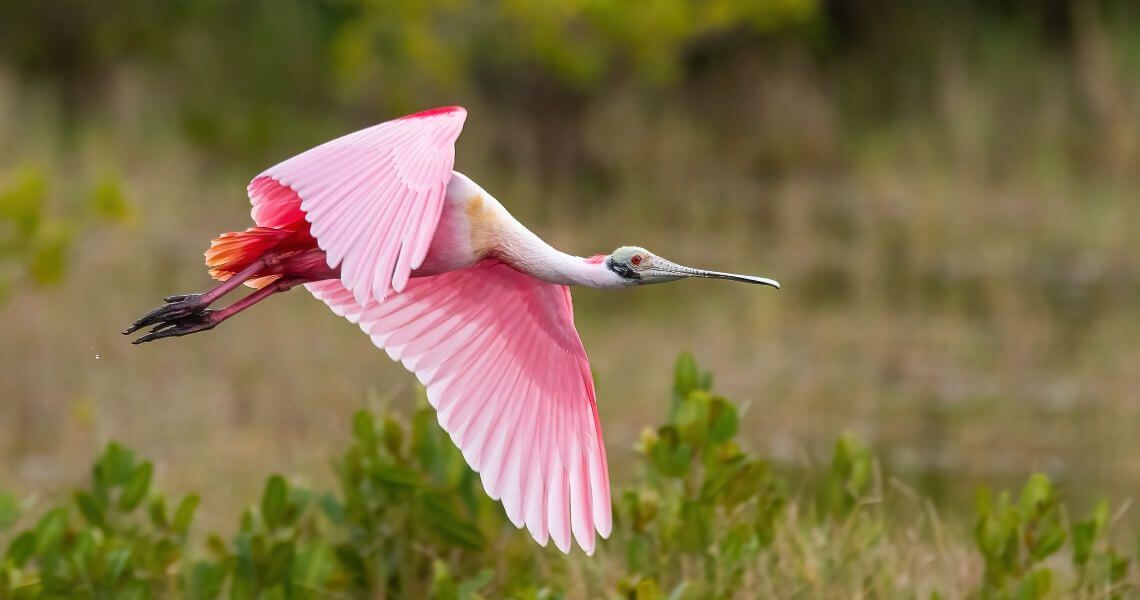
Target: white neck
{"x": 525, "y": 251}
{"x": 496, "y": 233}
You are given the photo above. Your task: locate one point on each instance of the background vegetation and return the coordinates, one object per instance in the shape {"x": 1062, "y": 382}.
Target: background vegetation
{"x": 948, "y": 192}
{"x": 702, "y": 519}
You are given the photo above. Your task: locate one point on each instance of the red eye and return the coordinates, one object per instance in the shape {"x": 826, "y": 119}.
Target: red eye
{"x": 636, "y": 260}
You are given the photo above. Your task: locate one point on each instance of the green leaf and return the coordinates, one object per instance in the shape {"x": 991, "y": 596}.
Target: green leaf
{"x": 22, "y": 548}
{"x": 351, "y": 561}
{"x": 1084, "y": 534}
{"x": 442, "y": 583}
{"x": 690, "y": 590}
{"x": 1049, "y": 542}
{"x": 638, "y": 554}
{"x": 425, "y": 443}
{"x": 90, "y": 509}
{"x": 313, "y": 565}
{"x": 685, "y": 374}
{"x": 166, "y": 553}
{"x": 248, "y": 522}
{"x": 115, "y": 466}
{"x": 217, "y": 547}
{"x": 206, "y": 580}
{"x": 184, "y": 514}
{"x": 992, "y": 536}
{"x": 1035, "y": 585}
{"x": 647, "y": 589}
{"x": 1117, "y": 566}
{"x": 85, "y": 545}
{"x": 244, "y": 586}
{"x": 136, "y": 487}
{"x": 279, "y": 566}
{"x": 50, "y": 529}
{"x": 363, "y": 428}
{"x": 273, "y": 501}
{"x": 1100, "y": 516}
{"x": 393, "y": 435}
{"x": 117, "y": 562}
{"x": 157, "y": 512}
{"x": 850, "y": 477}
{"x": 744, "y": 483}
{"x": 332, "y": 508}
{"x": 669, "y": 455}
{"x": 694, "y": 533}
{"x": 395, "y": 475}
{"x": 470, "y": 587}
{"x": 1036, "y": 495}
{"x": 706, "y": 381}
{"x": 692, "y": 418}
{"x": 723, "y": 420}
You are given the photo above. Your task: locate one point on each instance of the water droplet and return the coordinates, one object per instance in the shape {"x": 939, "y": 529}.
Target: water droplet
{"x": 96, "y": 357}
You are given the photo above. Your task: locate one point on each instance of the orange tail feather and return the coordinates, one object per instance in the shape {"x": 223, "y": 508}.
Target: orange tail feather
{"x": 234, "y": 251}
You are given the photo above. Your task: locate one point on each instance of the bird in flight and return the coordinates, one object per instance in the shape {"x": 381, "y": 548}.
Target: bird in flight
{"x": 378, "y": 226}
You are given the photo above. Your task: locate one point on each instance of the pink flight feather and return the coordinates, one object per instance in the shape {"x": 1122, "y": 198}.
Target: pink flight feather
{"x": 511, "y": 367}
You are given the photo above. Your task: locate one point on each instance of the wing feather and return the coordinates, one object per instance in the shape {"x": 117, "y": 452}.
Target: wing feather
{"x": 507, "y": 374}
{"x": 373, "y": 198}
{"x": 513, "y": 460}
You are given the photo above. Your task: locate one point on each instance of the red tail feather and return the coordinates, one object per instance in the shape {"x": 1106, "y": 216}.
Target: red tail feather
{"x": 234, "y": 251}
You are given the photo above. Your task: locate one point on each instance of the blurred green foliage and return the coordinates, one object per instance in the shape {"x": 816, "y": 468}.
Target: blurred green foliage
{"x": 703, "y": 519}
{"x": 35, "y": 236}
{"x": 281, "y": 59}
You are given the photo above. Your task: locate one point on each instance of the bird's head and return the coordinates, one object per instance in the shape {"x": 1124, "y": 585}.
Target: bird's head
{"x": 638, "y": 266}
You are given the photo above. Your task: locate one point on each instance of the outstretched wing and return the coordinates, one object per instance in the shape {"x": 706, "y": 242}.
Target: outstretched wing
{"x": 373, "y": 197}
{"x": 508, "y": 376}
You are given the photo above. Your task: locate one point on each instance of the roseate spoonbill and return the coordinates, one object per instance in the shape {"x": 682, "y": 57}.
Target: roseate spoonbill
{"x": 378, "y": 226}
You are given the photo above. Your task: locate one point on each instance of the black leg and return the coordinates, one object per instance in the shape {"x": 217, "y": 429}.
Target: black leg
{"x": 187, "y": 305}
{"x": 205, "y": 320}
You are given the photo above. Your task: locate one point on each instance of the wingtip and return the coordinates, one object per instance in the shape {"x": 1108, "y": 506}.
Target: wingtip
{"x": 439, "y": 110}
{"x": 540, "y": 535}
{"x": 588, "y": 543}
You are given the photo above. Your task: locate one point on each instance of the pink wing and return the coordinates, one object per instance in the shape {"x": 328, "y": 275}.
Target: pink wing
{"x": 507, "y": 374}
{"x": 373, "y": 197}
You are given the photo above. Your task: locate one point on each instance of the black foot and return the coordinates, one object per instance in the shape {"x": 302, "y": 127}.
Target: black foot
{"x": 175, "y": 308}
{"x": 185, "y": 325}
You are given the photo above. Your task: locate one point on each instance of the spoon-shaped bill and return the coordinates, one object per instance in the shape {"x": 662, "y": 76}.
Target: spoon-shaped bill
{"x": 669, "y": 268}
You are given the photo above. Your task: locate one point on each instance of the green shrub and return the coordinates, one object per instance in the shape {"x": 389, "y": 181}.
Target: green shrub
{"x": 106, "y": 546}
{"x": 1017, "y": 539}
{"x": 704, "y": 507}
{"x": 703, "y": 518}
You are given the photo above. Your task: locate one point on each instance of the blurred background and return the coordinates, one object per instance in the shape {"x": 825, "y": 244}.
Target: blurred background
{"x": 948, "y": 192}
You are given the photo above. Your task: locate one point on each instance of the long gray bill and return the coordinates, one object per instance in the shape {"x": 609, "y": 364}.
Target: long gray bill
{"x": 691, "y": 272}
